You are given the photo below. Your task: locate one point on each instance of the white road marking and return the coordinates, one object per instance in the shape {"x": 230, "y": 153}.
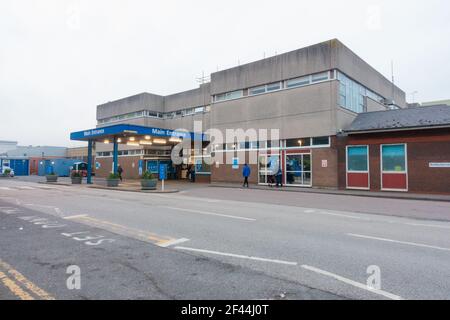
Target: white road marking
{"x": 237, "y": 256}
{"x": 353, "y": 283}
{"x": 341, "y": 215}
{"x": 76, "y": 216}
{"x": 5, "y": 188}
{"x": 208, "y": 213}
{"x": 173, "y": 242}
{"x": 186, "y": 198}
{"x": 25, "y": 188}
{"x": 397, "y": 241}
{"x": 427, "y": 225}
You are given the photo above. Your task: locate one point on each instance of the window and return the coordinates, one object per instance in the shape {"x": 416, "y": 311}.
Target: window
{"x": 320, "y": 77}
{"x": 257, "y": 90}
{"x": 233, "y": 95}
{"x": 393, "y": 158}
{"x": 298, "y": 143}
{"x": 274, "y": 86}
{"x": 254, "y": 145}
{"x": 266, "y": 88}
{"x": 357, "y": 159}
{"x": 219, "y": 97}
{"x": 297, "y": 82}
{"x": 352, "y": 94}
{"x": 228, "y": 95}
{"x": 320, "y": 141}
{"x": 199, "y": 109}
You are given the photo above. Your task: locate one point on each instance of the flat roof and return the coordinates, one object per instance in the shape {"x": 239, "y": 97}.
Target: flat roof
{"x": 123, "y": 130}
{"x": 402, "y": 119}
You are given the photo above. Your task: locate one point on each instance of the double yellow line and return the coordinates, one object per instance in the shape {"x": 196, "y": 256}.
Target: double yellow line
{"x": 19, "y": 285}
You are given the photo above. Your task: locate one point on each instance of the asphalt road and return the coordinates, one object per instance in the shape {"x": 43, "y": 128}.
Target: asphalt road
{"x": 214, "y": 243}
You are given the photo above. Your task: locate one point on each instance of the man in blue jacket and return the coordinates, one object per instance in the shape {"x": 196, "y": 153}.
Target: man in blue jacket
{"x": 246, "y": 173}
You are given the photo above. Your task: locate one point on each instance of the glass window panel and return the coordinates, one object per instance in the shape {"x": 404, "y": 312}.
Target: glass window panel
{"x": 357, "y": 158}
{"x": 320, "y": 77}
{"x": 306, "y": 162}
{"x": 234, "y": 94}
{"x": 257, "y": 90}
{"x": 297, "y": 82}
{"x": 393, "y": 158}
{"x": 219, "y": 97}
{"x": 307, "y": 178}
{"x": 274, "y": 86}
{"x": 318, "y": 141}
{"x": 299, "y": 142}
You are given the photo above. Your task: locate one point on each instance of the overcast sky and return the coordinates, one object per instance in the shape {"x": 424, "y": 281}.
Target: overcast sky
{"x": 59, "y": 59}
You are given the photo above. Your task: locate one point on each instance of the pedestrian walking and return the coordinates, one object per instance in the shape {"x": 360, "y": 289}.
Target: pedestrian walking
{"x": 279, "y": 177}
{"x": 246, "y": 171}
{"x": 120, "y": 171}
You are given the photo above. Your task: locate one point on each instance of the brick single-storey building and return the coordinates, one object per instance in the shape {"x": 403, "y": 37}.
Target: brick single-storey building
{"x": 399, "y": 150}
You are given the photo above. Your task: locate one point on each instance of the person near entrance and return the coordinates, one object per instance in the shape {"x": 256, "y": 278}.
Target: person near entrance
{"x": 279, "y": 177}
{"x": 120, "y": 171}
{"x": 246, "y": 173}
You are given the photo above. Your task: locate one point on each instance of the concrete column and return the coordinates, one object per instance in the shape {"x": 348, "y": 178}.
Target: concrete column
{"x": 115, "y": 155}
{"x": 89, "y": 163}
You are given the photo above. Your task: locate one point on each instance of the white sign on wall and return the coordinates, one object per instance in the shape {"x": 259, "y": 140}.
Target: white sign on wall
{"x": 324, "y": 163}
{"x": 439, "y": 164}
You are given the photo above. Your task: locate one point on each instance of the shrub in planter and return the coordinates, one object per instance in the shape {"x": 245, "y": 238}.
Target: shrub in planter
{"x": 113, "y": 180}
{"x": 148, "y": 181}
{"x": 52, "y": 177}
{"x": 5, "y": 174}
{"x": 76, "y": 177}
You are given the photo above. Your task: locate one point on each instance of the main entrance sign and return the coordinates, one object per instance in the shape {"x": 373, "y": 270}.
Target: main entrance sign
{"x": 127, "y": 129}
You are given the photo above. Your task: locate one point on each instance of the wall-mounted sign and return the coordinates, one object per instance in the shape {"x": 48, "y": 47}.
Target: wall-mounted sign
{"x": 439, "y": 164}
{"x": 324, "y": 163}
{"x": 97, "y": 165}
{"x": 235, "y": 163}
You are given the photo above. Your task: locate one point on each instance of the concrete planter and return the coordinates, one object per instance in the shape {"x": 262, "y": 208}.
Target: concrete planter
{"x": 51, "y": 178}
{"x": 149, "y": 184}
{"x": 76, "y": 180}
{"x": 112, "y": 182}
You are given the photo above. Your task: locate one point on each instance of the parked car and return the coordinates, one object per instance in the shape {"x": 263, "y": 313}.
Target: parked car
{"x": 6, "y": 169}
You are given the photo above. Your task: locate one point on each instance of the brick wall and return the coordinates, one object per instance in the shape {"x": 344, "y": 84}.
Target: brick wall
{"x": 130, "y": 166}
{"x": 423, "y": 147}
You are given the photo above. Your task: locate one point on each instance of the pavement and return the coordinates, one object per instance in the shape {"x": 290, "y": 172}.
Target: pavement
{"x": 222, "y": 243}
{"x": 358, "y": 193}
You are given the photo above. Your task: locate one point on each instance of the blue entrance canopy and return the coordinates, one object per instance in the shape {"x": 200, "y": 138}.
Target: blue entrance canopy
{"x": 126, "y": 130}
{"x": 129, "y": 129}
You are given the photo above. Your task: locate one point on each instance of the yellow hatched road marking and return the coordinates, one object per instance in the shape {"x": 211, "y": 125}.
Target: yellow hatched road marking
{"x": 41, "y": 293}
{"x": 14, "y": 287}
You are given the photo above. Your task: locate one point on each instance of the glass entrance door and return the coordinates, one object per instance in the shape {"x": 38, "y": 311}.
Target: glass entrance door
{"x": 298, "y": 169}
{"x": 267, "y": 166}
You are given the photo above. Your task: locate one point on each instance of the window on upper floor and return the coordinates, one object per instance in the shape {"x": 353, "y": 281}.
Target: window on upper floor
{"x": 320, "y": 77}
{"x": 228, "y": 95}
{"x": 351, "y": 94}
{"x": 298, "y": 82}
{"x": 265, "y": 88}
{"x": 273, "y": 86}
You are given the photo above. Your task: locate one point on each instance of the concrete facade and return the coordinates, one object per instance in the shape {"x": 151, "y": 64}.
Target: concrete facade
{"x": 305, "y": 111}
